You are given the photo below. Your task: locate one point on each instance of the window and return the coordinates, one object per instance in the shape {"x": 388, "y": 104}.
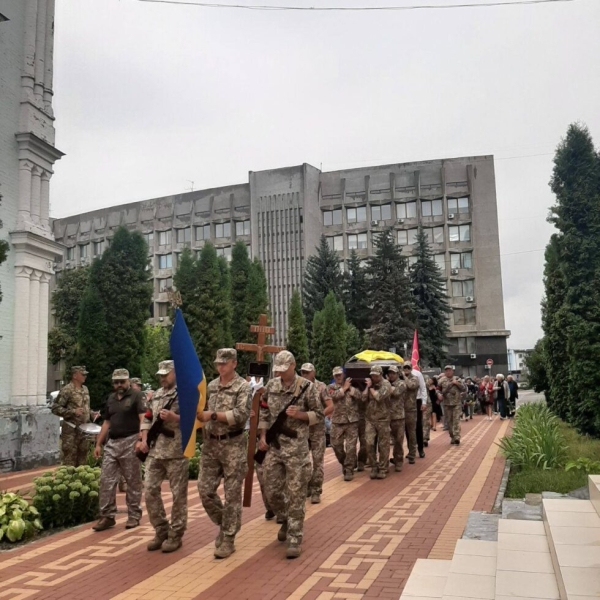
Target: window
{"x": 203, "y": 232}
{"x": 98, "y": 248}
{"x": 357, "y": 241}
{"x": 412, "y": 260}
{"x": 412, "y": 236}
{"x": 466, "y": 345}
{"x": 431, "y": 208}
{"x": 458, "y": 206}
{"x": 435, "y": 235}
{"x": 336, "y": 242}
{"x": 71, "y": 253}
{"x": 332, "y": 217}
{"x": 165, "y": 284}
{"x": 342, "y": 266}
{"x": 149, "y": 239}
{"x": 164, "y": 238}
{"x": 165, "y": 261}
{"x": 163, "y": 309}
{"x": 464, "y": 316}
{"x": 84, "y": 250}
{"x": 462, "y": 260}
{"x": 381, "y": 213}
{"x": 462, "y": 289}
{"x": 440, "y": 261}
{"x": 242, "y": 228}
{"x": 184, "y": 235}
{"x": 407, "y": 210}
{"x": 356, "y": 215}
{"x": 223, "y": 230}
{"x": 460, "y": 233}
{"x": 226, "y": 252}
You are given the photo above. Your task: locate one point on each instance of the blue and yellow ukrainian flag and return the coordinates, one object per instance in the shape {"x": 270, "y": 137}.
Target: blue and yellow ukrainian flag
{"x": 191, "y": 383}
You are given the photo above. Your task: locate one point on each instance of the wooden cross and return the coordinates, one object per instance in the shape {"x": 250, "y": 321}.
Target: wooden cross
{"x": 260, "y": 349}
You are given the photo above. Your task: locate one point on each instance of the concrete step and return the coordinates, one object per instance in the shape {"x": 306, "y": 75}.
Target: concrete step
{"x": 427, "y": 580}
{"x": 573, "y": 530}
{"x": 594, "y": 487}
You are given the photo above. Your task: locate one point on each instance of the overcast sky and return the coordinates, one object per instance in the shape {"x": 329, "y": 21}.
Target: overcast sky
{"x": 149, "y": 97}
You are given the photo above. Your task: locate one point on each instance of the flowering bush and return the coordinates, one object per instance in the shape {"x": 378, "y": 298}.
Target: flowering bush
{"x": 67, "y": 496}
{"x": 18, "y": 519}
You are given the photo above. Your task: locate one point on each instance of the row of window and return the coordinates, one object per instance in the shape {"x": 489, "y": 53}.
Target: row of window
{"x": 97, "y": 248}
{"x": 202, "y": 232}
{"x": 464, "y": 316}
{"x": 165, "y": 261}
{"x": 405, "y": 210}
{"x": 458, "y": 260}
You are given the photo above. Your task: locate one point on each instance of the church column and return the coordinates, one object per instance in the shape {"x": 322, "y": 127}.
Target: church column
{"x": 40, "y": 52}
{"x": 48, "y": 60}
{"x": 36, "y": 190}
{"x": 28, "y": 77}
{"x": 45, "y": 200}
{"x": 25, "y": 168}
{"x": 21, "y": 335}
{"x": 43, "y": 339}
{"x": 34, "y": 337}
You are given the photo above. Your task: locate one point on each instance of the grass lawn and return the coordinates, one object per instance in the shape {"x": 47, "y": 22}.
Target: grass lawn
{"x": 536, "y": 481}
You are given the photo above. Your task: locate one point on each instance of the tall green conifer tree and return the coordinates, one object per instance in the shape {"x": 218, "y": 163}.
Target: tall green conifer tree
{"x": 329, "y": 337}
{"x": 297, "y": 340}
{"x": 356, "y": 294}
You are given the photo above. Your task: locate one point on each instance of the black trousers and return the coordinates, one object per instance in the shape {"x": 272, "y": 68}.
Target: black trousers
{"x": 419, "y": 426}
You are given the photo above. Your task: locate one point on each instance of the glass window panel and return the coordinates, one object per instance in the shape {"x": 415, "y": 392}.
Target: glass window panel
{"x": 401, "y": 211}
{"x": 98, "y": 248}
{"x": 428, "y": 234}
{"x": 328, "y": 217}
{"x": 351, "y": 215}
{"x": 426, "y": 208}
{"x": 165, "y": 261}
{"x": 412, "y": 260}
{"x": 471, "y": 345}
{"x": 352, "y": 242}
{"x": 362, "y": 240}
{"x": 337, "y": 216}
{"x": 361, "y": 214}
{"x": 83, "y": 250}
{"x": 462, "y": 345}
{"x": 386, "y": 212}
{"x": 338, "y": 242}
{"x": 465, "y": 233}
{"x": 467, "y": 260}
{"x": 453, "y": 233}
{"x": 438, "y": 235}
{"x": 440, "y": 261}
{"x": 470, "y": 316}
{"x": 436, "y": 208}
{"x": 184, "y": 235}
{"x": 463, "y": 205}
{"x": 376, "y": 213}
{"x": 165, "y": 284}
{"x": 149, "y": 238}
{"x": 402, "y": 238}
{"x": 468, "y": 288}
{"x": 163, "y": 309}
{"x": 455, "y": 261}
{"x": 457, "y": 289}
{"x": 452, "y": 205}
{"x": 375, "y": 236}
{"x": 411, "y": 210}
{"x": 164, "y": 238}
{"x": 412, "y": 236}
{"x": 242, "y": 228}
{"x": 459, "y": 316}
{"x": 71, "y": 253}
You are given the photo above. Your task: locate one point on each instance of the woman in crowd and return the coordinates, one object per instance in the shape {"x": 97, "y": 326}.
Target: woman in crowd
{"x": 434, "y": 399}
{"x": 486, "y": 393}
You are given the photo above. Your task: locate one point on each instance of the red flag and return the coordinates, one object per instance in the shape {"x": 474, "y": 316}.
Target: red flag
{"x": 414, "y": 359}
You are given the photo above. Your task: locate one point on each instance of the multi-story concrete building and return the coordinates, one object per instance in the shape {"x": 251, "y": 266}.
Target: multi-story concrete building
{"x": 281, "y": 213}
{"x": 28, "y": 431}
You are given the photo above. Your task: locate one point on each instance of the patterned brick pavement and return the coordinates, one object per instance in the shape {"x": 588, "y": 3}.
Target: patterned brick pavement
{"x": 360, "y": 542}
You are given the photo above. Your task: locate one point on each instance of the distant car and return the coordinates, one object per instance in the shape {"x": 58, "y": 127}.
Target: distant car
{"x": 523, "y": 385}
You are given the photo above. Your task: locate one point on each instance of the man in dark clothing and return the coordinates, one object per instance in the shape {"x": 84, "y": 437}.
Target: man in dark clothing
{"x": 513, "y": 387}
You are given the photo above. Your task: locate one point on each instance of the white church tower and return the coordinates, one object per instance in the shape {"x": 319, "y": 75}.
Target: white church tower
{"x": 28, "y": 431}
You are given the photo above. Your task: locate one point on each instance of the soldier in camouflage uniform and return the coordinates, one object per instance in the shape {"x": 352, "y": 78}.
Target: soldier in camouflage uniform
{"x": 73, "y": 405}
{"x": 362, "y": 457}
{"x": 344, "y": 421}
{"x": 123, "y": 415}
{"x": 224, "y": 451}
{"x": 287, "y": 468}
{"x": 377, "y": 431}
{"x": 451, "y": 389}
{"x": 397, "y": 414}
{"x": 165, "y": 462}
{"x": 410, "y": 411}
{"x": 316, "y": 438}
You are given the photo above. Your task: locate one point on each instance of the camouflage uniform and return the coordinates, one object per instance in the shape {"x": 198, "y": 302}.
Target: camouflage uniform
{"x": 344, "y": 425}
{"x": 317, "y": 445}
{"x": 377, "y": 429}
{"x": 451, "y": 393}
{"x": 397, "y": 420}
{"x": 224, "y": 454}
{"x": 410, "y": 414}
{"x": 75, "y": 444}
{"x": 287, "y": 469}
{"x": 362, "y": 438}
{"x": 166, "y": 461}
{"x": 427, "y": 424}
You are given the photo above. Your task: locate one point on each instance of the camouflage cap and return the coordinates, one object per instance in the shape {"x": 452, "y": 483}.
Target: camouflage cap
{"x": 80, "y": 369}
{"x": 451, "y": 367}
{"x": 308, "y": 367}
{"x": 225, "y": 355}
{"x": 337, "y": 371}
{"x": 165, "y": 367}
{"x": 376, "y": 370}
{"x": 407, "y": 366}
{"x": 393, "y": 369}
{"x": 136, "y": 380}
{"x": 120, "y": 374}
{"x": 283, "y": 361}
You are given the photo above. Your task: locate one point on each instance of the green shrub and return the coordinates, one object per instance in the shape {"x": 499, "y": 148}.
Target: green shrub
{"x": 18, "y": 519}
{"x": 587, "y": 465}
{"x": 67, "y": 496}
{"x": 194, "y": 467}
{"x": 536, "y": 440}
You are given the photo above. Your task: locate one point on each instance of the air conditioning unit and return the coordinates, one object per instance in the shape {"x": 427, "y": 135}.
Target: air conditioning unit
{"x": 161, "y": 319}
{"x": 470, "y": 299}
{"x": 400, "y": 221}
{"x": 473, "y": 355}
{"x": 451, "y": 216}
{"x": 454, "y": 271}
{"x": 374, "y": 223}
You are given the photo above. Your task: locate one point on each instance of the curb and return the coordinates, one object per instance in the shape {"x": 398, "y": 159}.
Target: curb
{"x": 502, "y": 489}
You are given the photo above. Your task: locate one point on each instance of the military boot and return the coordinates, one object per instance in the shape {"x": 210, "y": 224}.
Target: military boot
{"x": 280, "y": 520}
{"x": 219, "y": 540}
{"x": 132, "y": 523}
{"x": 293, "y": 551}
{"x": 226, "y": 548}
{"x": 156, "y": 543}
{"x": 315, "y": 498}
{"x": 282, "y": 533}
{"x": 348, "y": 475}
{"x": 381, "y": 475}
{"x": 373, "y": 474}
{"x": 104, "y": 523}
{"x": 173, "y": 543}
{"x": 269, "y": 515}
{"x": 360, "y": 467}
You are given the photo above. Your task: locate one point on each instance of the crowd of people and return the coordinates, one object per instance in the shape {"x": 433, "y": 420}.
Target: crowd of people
{"x": 370, "y": 420}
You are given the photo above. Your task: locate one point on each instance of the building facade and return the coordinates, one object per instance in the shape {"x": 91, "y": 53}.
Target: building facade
{"x": 28, "y": 431}
{"x": 281, "y": 214}
{"x": 517, "y": 363}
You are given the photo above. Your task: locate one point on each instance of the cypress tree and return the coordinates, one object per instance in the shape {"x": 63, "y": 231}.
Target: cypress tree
{"x": 241, "y": 303}
{"x": 536, "y": 366}
{"x": 354, "y": 342}
{"x": 225, "y": 315}
{"x": 356, "y": 294}
{"x": 297, "y": 340}
{"x": 322, "y": 276}
{"x": 329, "y": 337}
{"x": 430, "y": 304}
{"x": 258, "y": 297}
{"x": 576, "y": 184}
{"x": 157, "y": 349}
{"x": 392, "y": 319}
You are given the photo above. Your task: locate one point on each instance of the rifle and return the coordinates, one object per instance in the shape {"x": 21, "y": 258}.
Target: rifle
{"x": 279, "y": 427}
{"x": 158, "y": 428}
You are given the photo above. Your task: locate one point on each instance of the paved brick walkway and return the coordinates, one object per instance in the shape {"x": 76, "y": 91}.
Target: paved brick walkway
{"x": 360, "y": 542}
